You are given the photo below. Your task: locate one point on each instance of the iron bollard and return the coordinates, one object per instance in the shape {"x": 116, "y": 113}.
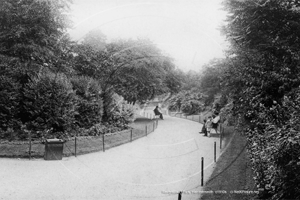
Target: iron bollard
{"x": 103, "y": 143}
{"x": 75, "y": 146}
{"x": 202, "y": 170}
{"x": 179, "y": 195}
{"x": 146, "y": 130}
{"x": 215, "y": 151}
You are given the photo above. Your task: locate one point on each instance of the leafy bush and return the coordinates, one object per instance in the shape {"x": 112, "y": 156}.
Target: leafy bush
{"x": 189, "y": 102}
{"x": 192, "y": 107}
{"x": 9, "y": 98}
{"x": 175, "y": 102}
{"x": 50, "y": 102}
{"x": 275, "y": 152}
{"x": 120, "y": 113}
{"x": 90, "y": 106}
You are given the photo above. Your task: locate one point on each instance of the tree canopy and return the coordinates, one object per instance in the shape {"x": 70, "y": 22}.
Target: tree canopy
{"x": 72, "y": 87}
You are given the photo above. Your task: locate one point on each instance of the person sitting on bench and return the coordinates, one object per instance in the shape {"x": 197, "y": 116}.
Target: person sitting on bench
{"x": 156, "y": 112}
{"x": 215, "y": 122}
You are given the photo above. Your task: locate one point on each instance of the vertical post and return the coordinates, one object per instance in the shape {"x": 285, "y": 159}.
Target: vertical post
{"x": 29, "y": 134}
{"x": 156, "y": 123}
{"x": 199, "y": 118}
{"x": 179, "y": 195}
{"x": 153, "y": 126}
{"x": 131, "y": 135}
{"x": 103, "y": 142}
{"x": 75, "y": 146}
{"x": 202, "y": 170}
{"x": 180, "y": 115}
{"x": 215, "y": 151}
{"x": 221, "y": 140}
{"x": 146, "y": 130}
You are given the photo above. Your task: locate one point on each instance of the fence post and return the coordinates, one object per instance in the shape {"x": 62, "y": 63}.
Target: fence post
{"x": 221, "y": 139}
{"x": 103, "y": 142}
{"x": 153, "y": 126}
{"x": 75, "y": 146}
{"x": 215, "y": 151}
{"x": 179, "y": 195}
{"x": 29, "y": 133}
{"x": 202, "y": 170}
{"x": 146, "y": 130}
{"x": 131, "y": 135}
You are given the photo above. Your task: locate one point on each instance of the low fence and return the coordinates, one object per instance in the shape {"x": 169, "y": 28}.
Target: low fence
{"x": 73, "y": 146}
{"x": 224, "y": 132}
{"x": 149, "y": 113}
{"x": 182, "y": 188}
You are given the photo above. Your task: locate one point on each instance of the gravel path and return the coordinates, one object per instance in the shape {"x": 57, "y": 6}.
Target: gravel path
{"x": 154, "y": 167}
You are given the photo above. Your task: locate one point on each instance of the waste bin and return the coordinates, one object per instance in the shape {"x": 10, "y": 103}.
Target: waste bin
{"x": 54, "y": 149}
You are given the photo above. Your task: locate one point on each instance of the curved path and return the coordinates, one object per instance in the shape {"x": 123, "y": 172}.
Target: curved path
{"x": 154, "y": 167}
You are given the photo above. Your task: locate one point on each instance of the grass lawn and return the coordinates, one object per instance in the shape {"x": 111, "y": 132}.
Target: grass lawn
{"x": 84, "y": 145}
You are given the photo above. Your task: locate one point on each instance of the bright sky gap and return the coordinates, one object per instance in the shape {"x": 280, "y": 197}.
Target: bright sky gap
{"x": 187, "y": 31}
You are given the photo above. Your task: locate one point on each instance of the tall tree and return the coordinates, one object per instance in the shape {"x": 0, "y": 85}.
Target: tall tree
{"x": 32, "y": 37}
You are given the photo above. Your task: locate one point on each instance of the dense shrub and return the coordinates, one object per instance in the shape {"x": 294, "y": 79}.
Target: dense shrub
{"x": 120, "y": 113}
{"x": 9, "y": 98}
{"x": 189, "y": 102}
{"x": 50, "y": 102}
{"x": 275, "y": 148}
{"x": 90, "y": 106}
{"x": 192, "y": 107}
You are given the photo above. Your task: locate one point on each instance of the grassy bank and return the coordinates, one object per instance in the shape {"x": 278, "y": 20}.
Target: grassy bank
{"x": 232, "y": 176}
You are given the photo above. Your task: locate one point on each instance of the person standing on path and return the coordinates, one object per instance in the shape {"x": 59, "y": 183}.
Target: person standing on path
{"x": 203, "y": 130}
{"x": 208, "y": 126}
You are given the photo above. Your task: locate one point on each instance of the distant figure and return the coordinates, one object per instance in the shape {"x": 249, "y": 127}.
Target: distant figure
{"x": 203, "y": 130}
{"x": 156, "y": 112}
{"x": 208, "y": 126}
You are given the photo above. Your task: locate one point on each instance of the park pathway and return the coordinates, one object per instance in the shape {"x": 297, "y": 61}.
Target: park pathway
{"x": 154, "y": 167}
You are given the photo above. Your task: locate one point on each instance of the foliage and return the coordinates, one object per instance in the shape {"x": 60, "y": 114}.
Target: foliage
{"x": 120, "y": 112}
{"x": 51, "y": 85}
{"x": 189, "y": 102}
{"x": 140, "y": 70}
{"x": 33, "y": 30}
{"x": 262, "y": 78}
{"x": 9, "y": 98}
{"x": 96, "y": 40}
{"x": 90, "y": 105}
{"x": 50, "y": 102}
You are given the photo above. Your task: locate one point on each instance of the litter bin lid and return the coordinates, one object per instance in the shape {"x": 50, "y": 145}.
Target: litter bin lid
{"x": 54, "y": 141}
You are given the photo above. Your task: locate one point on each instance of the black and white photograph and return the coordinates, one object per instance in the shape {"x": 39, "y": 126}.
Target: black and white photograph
{"x": 149, "y": 99}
